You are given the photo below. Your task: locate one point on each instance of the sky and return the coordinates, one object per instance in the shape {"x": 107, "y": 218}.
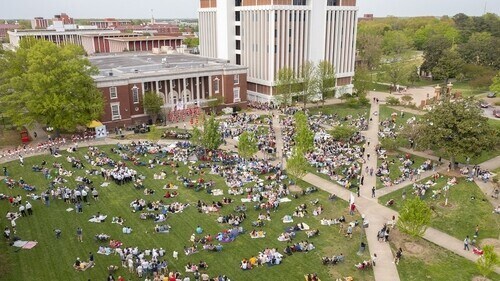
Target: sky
{"x": 27, "y": 9}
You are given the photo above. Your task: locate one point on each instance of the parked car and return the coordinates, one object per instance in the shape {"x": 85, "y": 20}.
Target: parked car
{"x": 491, "y": 95}
{"x": 484, "y": 104}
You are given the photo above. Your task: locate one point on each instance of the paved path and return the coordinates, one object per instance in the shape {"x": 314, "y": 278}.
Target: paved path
{"x": 371, "y": 137}
{"x": 376, "y": 216}
{"x": 279, "y": 140}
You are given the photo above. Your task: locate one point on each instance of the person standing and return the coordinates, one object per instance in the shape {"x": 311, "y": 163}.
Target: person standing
{"x": 358, "y": 191}
{"x": 21, "y": 160}
{"x": 5, "y": 173}
{"x": 399, "y": 254}
{"x": 22, "y": 210}
{"x": 374, "y": 259}
{"x": 476, "y": 232}
{"x": 466, "y": 243}
{"x": 79, "y": 234}
{"x": 29, "y": 208}
{"x": 373, "y": 192}
{"x": 13, "y": 225}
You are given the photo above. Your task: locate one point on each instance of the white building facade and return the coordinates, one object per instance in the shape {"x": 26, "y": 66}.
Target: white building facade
{"x": 268, "y": 35}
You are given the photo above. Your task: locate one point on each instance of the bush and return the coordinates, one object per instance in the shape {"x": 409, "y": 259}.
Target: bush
{"x": 392, "y": 101}
{"x": 363, "y": 101}
{"x": 352, "y": 102}
{"x": 390, "y": 144}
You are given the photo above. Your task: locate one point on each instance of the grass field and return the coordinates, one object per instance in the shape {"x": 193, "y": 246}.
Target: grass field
{"x": 52, "y": 258}
{"x": 385, "y": 112}
{"x": 394, "y": 171}
{"x": 462, "y": 214}
{"x": 342, "y": 110}
{"x": 423, "y": 260}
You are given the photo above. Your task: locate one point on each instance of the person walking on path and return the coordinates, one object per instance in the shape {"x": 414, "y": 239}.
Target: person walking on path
{"x": 79, "y": 234}
{"x": 476, "y": 232}
{"x": 358, "y": 191}
{"x": 466, "y": 243}
{"x": 374, "y": 259}
{"x": 373, "y": 192}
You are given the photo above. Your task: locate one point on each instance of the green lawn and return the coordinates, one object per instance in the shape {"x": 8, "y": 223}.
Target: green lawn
{"x": 385, "y": 112}
{"x": 52, "y": 258}
{"x": 460, "y": 218}
{"x": 466, "y": 89}
{"x": 394, "y": 171}
{"x": 342, "y": 110}
{"x": 423, "y": 260}
{"x": 9, "y": 138}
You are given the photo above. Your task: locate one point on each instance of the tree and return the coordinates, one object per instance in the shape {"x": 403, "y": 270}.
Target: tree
{"x": 457, "y": 129}
{"x": 396, "y": 43}
{"x": 370, "y": 48}
{"x": 284, "y": 86}
{"x": 192, "y": 42}
{"x": 297, "y": 164}
{"x": 448, "y": 66}
{"x": 495, "y": 87}
{"x": 247, "y": 144}
{"x": 343, "y": 133}
{"x": 152, "y": 104}
{"x": 481, "y": 49}
{"x": 362, "y": 82}
{"x": 210, "y": 137}
{"x": 42, "y": 82}
{"x": 326, "y": 79}
{"x": 433, "y": 51}
{"x": 304, "y": 137}
{"x": 153, "y": 133}
{"x": 396, "y": 73}
{"x": 308, "y": 82}
{"x": 488, "y": 261}
{"x": 414, "y": 217}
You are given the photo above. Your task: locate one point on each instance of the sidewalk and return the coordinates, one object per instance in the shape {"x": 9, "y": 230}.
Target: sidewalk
{"x": 371, "y": 136}
{"x": 377, "y": 216}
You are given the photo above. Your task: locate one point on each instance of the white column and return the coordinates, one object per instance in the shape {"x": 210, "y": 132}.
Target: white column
{"x": 171, "y": 98}
{"x": 210, "y": 82}
{"x": 198, "y": 91}
{"x": 203, "y": 88}
{"x": 183, "y": 90}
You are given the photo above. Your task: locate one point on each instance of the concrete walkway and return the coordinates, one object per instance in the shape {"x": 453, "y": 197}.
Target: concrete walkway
{"x": 376, "y": 216}
{"x": 371, "y": 136}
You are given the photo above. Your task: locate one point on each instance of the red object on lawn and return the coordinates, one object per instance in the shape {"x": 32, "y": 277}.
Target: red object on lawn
{"x": 25, "y": 137}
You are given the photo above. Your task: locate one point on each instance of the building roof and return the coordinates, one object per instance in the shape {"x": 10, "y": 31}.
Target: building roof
{"x": 137, "y": 65}
{"x": 144, "y": 38}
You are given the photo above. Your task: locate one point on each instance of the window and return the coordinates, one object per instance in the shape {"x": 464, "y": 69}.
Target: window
{"x": 237, "y": 3}
{"x": 216, "y": 85}
{"x": 115, "y": 111}
{"x": 237, "y": 16}
{"x": 238, "y": 45}
{"x": 135, "y": 94}
{"x": 238, "y": 30}
{"x": 300, "y": 2}
{"x": 236, "y": 95}
{"x": 332, "y": 3}
{"x": 236, "y": 79}
{"x": 112, "y": 93}
{"x": 238, "y": 59}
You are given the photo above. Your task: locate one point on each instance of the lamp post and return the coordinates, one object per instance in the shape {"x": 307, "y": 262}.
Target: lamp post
{"x": 437, "y": 91}
{"x": 449, "y": 87}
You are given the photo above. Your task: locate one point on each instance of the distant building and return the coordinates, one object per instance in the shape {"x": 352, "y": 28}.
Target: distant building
{"x": 183, "y": 81}
{"x": 73, "y": 36}
{"x": 64, "y": 18}
{"x": 110, "y": 23}
{"x": 39, "y": 23}
{"x": 5, "y": 27}
{"x": 268, "y": 35}
{"x": 366, "y": 17}
{"x": 124, "y": 42}
{"x": 164, "y": 29}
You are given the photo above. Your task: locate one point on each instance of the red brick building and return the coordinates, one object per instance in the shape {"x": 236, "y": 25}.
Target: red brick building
{"x": 183, "y": 81}
{"x": 6, "y": 27}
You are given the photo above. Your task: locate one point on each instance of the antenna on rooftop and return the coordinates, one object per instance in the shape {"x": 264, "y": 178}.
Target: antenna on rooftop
{"x": 152, "y": 17}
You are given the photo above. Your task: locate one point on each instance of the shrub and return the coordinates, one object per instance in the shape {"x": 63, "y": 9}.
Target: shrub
{"x": 392, "y": 101}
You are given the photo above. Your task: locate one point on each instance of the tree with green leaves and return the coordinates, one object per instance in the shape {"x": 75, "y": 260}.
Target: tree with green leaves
{"x": 152, "y": 104}
{"x": 449, "y": 65}
{"x": 192, "y": 42}
{"x": 297, "y": 164}
{"x": 396, "y": 43}
{"x": 211, "y": 137}
{"x": 285, "y": 81}
{"x": 370, "y": 48}
{"x": 396, "y": 73}
{"x": 433, "y": 51}
{"x": 247, "y": 144}
{"x": 326, "y": 79}
{"x": 457, "y": 129}
{"x": 48, "y": 84}
{"x": 495, "y": 87}
{"x": 343, "y": 133}
{"x": 362, "y": 82}
{"x": 308, "y": 82}
{"x": 488, "y": 261}
{"x": 414, "y": 217}
{"x": 304, "y": 136}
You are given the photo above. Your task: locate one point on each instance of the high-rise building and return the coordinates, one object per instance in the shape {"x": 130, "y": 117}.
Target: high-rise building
{"x": 268, "y": 35}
